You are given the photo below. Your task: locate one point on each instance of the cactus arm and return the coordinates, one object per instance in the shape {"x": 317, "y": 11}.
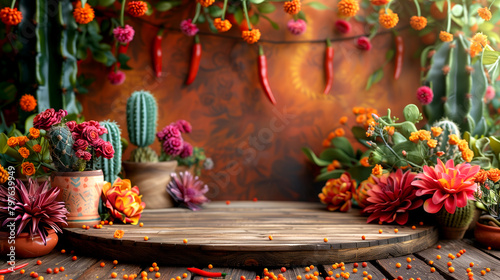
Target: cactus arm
{"x": 478, "y": 110}
{"x": 111, "y": 167}
{"x": 437, "y": 81}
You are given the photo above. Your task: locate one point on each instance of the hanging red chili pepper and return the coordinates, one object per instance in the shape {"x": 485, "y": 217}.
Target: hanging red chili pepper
{"x": 328, "y": 66}
{"x": 264, "y": 82}
{"x": 398, "y": 64}
{"x": 9, "y": 270}
{"x": 206, "y": 273}
{"x": 195, "y": 60}
{"x": 157, "y": 54}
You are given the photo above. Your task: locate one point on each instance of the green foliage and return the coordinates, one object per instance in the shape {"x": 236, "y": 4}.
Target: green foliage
{"x": 486, "y": 151}
{"x": 196, "y": 160}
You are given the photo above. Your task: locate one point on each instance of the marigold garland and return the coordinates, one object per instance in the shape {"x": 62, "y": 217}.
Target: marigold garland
{"x": 28, "y": 168}
{"x": 251, "y": 36}
{"x": 348, "y": 8}
{"x": 12, "y": 142}
{"x": 445, "y": 36}
{"x": 83, "y": 15}
{"x": 292, "y": 7}
{"x": 27, "y": 102}
{"x": 418, "y": 23}
{"x": 4, "y": 175}
{"x": 34, "y": 133}
{"x": 484, "y": 13}
{"x": 387, "y": 18}
{"x": 137, "y": 8}
{"x": 222, "y": 25}
{"x": 22, "y": 140}
{"x": 11, "y": 16}
{"x": 24, "y": 152}
{"x": 205, "y": 3}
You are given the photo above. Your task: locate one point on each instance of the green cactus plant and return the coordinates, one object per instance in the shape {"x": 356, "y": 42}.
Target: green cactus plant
{"x": 111, "y": 167}
{"x": 141, "y": 124}
{"x": 461, "y": 218}
{"x": 62, "y": 152}
{"x": 459, "y": 86}
{"x": 449, "y": 128}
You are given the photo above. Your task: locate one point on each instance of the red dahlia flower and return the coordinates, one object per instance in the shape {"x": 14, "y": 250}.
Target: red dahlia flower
{"x": 337, "y": 193}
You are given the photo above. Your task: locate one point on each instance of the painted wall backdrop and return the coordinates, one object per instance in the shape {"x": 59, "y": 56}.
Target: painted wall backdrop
{"x": 256, "y": 147}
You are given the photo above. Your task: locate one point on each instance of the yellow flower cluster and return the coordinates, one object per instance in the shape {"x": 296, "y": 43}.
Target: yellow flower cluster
{"x": 4, "y": 175}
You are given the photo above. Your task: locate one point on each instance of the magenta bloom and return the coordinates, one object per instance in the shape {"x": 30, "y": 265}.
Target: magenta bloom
{"x": 116, "y": 78}
{"x": 296, "y": 27}
{"x": 124, "y": 34}
{"x": 188, "y": 190}
{"x": 363, "y": 43}
{"x": 392, "y": 197}
{"x": 173, "y": 146}
{"x": 169, "y": 131}
{"x": 449, "y": 185}
{"x": 187, "y": 150}
{"x": 425, "y": 95}
{"x": 83, "y": 154}
{"x": 188, "y": 28}
{"x": 48, "y": 118}
{"x": 183, "y": 126}
{"x": 105, "y": 149}
{"x": 490, "y": 93}
{"x": 342, "y": 26}
{"x": 90, "y": 134}
{"x": 80, "y": 144}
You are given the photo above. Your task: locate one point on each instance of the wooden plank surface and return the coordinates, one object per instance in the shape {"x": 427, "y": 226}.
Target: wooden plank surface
{"x": 238, "y": 235}
{"x": 418, "y": 269}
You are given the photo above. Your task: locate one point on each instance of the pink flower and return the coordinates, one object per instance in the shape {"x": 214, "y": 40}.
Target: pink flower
{"x": 116, "y": 78}
{"x": 449, "y": 185}
{"x": 83, "y": 155}
{"x": 363, "y": 43}
{"x": 188, "y": 28}
{"x": 187, "y": 150}
{"x": 342, "y": 26}
{"x": 425, "y": 95}
{"x": 169, "y": 131}
{"x": 48, "y": 118}
{"x": 392, "y": 197}
{"x": 80, "y": 144}
{"x": 173, "y": 146}
{"x": 490, "y": 93}
{"x": 183, "y": 126}
{"x": 71, "y": 125}
{"x": 91, "y": 134}
{"x": 337, "y": 193}
{"x": 188, "y": 190}
{"x": 105, "y": 149}
{"x": 296, "y": 27}
{"x": 124, "y": 34}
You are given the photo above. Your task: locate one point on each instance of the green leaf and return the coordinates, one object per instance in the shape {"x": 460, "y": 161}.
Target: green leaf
{"x": 164, "y": 6}
{"x": 495, "y": 144}
{"x": 105, "y": 3}
{"x": 266, "y": 8}
{"x": 215, "y": 11}
{"x": 389, "y": 54}
{"x": 302, "y": 16}
{"x": 29, "y": 122}
{"x": 254, "y": 19}
{"x": 440, "y": 5}
{"x": 123, "y": 59}
{"x": 486, "y": 26}
{"x": 332, "y": 154}
{"x": 238, "y": 16}
{"x": 360, "y": 173}
{"x": 334, "y": 174}
{"x": 273, "y": 24}
{"x": 317, "y": 5}
{"x": 490, "y": 56}
{"x": 374, "y": 78}
{"x": 257, "y": 1}
{"x": 150, "y": 9}
{"x": 343, "y": 144}
{"x": 312, "y": 157}
{"x": 457, "y": 10}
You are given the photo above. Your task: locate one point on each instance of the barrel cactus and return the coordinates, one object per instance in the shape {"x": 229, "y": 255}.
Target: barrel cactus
{"x": 62, "y": 152}
{"x": 111, "y": 167}
{"x": 461, "y": 218}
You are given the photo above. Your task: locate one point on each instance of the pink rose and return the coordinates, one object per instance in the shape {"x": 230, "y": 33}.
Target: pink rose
{"x": 71, "y": 125}
{"x": 183, "y": 126}
{"x": 105, "y": 149}
{"x": 187, "y": 150}
{"x": 91, "y": 134}
{"x": 80, "y": 144}
{"x": 48, "y": 118}
{"x": 173, "y": 146}
{"x": 83, "y": 155}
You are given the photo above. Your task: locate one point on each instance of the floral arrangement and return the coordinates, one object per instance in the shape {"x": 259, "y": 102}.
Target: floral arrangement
{"x": 35, "y": 208}
{"x": 122, "y": 201}
{"x": 187, "y": 190}
{"x": 488, "y": 196}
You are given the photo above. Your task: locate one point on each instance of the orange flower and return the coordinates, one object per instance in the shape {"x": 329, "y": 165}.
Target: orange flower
{"x": 118, "y": 233}
{"x": 334, "y": 165}
{"x": 418, "y": 23}
{"x": 484, "y": 13}
{"x": 414, "y": 137}
{"x": 222, "y": 25}
{"x": 83, "y": 15}
{"x": 379, "y": 2}
{"x": 494, "y": 175}
{"x": 11, "y": 16}
{"x": 377, "y": 170}
{"x": 343, "y": 120}
{"x": 475, "y": 48}
{"x": 37, "y": 148}
{"x": 34, "y": 133}
{"x": 388, "y": 19}
{"x": 28, "y": 168}
{"x": 445, "y": 36}
{"x": 331, "y": 135}
{"x": 364, "y": 162}
{"x": 24, "y": 152}
{"x": 358, "y": 110}
{"x": 424, "y": 135}
{"x": 22, "y": 140}
{"x": 348, "y": 8}
{"x": 453, "y": 139}
{"x": 12, "y": 142}
{"x": 339, "y": 132}
{"x": 27, "y": 102}
{"x": 463, "y": 145}
{"x": 326, "y": 143}
{"x": 292, "y": 7}
{"x": 440, "y": 153}
{"x": 467, "y": 155}
{"x": 432, "y": 143}
{"x": 251, "y": 36}
{"x": 481, "y": 39}
{"x": 481, "y": 176}
{"x": 436, "y": 131}
{"x": 4, "y": 175}
{"x": 137, "y": 8}
{"x": 361, "y": 118}
{"x": 205, "y": 3}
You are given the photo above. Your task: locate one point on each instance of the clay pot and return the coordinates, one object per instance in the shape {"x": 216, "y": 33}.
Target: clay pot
{"x": 453, "y": 233}
{"x": 25, "y": 247}
{"x": 152, "y": 179}
{"x": 487, "y": 235}
{"x": 81, "y": 192}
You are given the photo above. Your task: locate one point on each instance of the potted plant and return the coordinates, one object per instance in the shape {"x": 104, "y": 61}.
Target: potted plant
{"x": 32, "y": 214}
{"x": 487, "y": 229}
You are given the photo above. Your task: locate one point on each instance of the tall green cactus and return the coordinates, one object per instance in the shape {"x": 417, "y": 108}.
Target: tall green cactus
{"x": 458, "y": 86}
{"x": 461, "y": 218}
{"x": 62, "y": 152}
{"x": 111, "y": 167}
{"x": 449, "y": 128}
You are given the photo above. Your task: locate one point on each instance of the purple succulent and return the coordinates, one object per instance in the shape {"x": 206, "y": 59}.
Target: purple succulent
{"x": 34, "y": 209}
{"x": 188, "y": 190}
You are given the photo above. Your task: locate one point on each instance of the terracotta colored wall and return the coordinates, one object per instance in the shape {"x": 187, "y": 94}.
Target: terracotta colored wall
{"x": 256, "y": 147}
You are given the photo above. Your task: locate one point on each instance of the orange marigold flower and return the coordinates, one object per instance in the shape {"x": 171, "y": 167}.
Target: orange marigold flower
{"x": 4, "y": 175}
{"x": 361, "y": 118}
{"x": 484, "y": 13}
{"x": 358, "y": 110}
{"x": 37, "y": 148}
{"x": 475, "y": 48}
{"x": 364, "y": 162}
{"x": 11, "y": 16}
{"x": 388, "y": 19}
{"x": 424, "y": 135}
{"x": 436, "y": 131}
{"x": 339, "y": 132}
{"x": 414, "y": 137}
{"x": 453, "y": 139}
{"x": 440, "y": 153}
{"x": 467, "y": 155}
{"x": 418, "y": 23}
{"x": 34, "y": 133}
{"x": 12, "y": 142}
{"x": 222, "y": 25}
{"x": 432, "y": 143}
{"x": 481, "y": 39}
{"x": 292, "y": 7}
{"x": 28, "y": 168}
{"x": 377, "y": 170}
{"x": 118, "y": 233}
{"x": 481, "y": 176}
{"x": 137, "y": 8}
{"x": 27, "y": 102}
{"x": 83, "y": 15}
{"x": 348, "y": 8}
{"x": 251, "y": 36}
{"x": 22, "y": 140}
{"x": 343, "y": 120}
{"x": 326, "y": 143}
{"x": 331, "y": 135}
{"x": 24, "y": 152}
{"x": 379, "y": 2}
{"x": 494, "y": 174}
{"x": 336, "y": 163}
{"x": 463, "y": 145}
{"x": 445, "y": 36}
{"x": 205, "y": 3}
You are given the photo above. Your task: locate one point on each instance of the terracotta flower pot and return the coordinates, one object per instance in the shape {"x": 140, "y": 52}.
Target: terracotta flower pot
{"x": 152, "y": 179}
{"x": 25, "y": 247}
{"x": 487, "y": 235}
{"x": 81, "y": 192}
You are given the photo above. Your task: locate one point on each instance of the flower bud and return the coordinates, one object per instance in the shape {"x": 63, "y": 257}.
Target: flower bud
{"x": 374, "y": 158}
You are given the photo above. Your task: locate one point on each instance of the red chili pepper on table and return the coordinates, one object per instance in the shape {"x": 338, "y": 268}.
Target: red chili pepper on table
{"x": 264, "y": 82}
{"x": 157, "y": 54}
{"x": 206, "y": 273}
{"x": 195, "y": 60}
{"x": 7, "y": 270}
{"x": 398, "y": 64}
{"x": 328, "y": 66}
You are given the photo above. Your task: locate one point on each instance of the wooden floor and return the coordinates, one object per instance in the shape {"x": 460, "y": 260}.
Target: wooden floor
{"x": 240, "y": 234}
